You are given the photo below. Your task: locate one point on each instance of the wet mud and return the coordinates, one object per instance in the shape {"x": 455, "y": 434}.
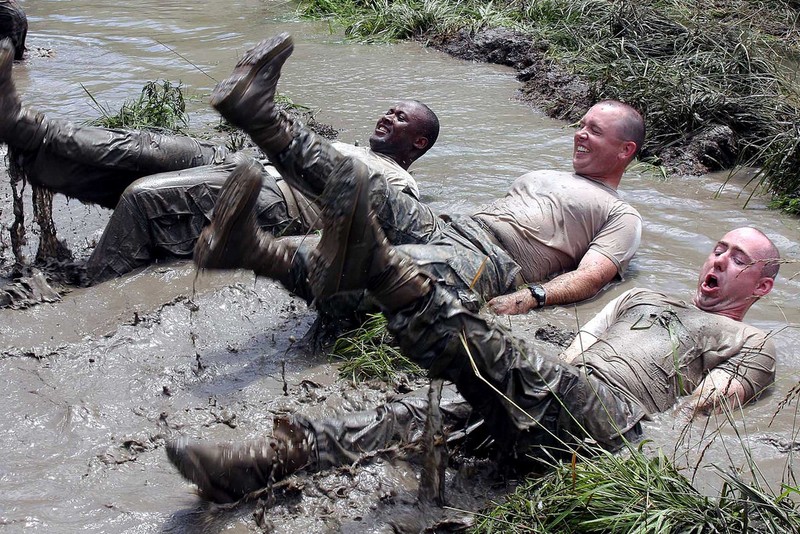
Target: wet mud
{"x": 97, "y": 381}
{"x": 93, "y": 415}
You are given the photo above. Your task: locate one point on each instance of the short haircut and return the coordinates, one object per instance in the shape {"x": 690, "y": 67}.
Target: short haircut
{"x": 631, "y": 123}
{"x": 430, "y": 125}
{"x": 771, "y": 260}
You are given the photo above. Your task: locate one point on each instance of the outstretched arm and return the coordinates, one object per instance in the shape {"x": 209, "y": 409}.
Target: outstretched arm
{"x": 592, "y": 274}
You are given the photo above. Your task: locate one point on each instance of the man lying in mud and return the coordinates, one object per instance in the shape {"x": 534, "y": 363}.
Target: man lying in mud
{"x": 637, "y": 357}
{"x": 572, "y": 226}
{"x": 163, "y": 187}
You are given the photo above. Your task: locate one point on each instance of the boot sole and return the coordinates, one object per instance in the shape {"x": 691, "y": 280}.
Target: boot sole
{"x": 348, "y": 237}
{"x": 234, "y": 206}
{"x": 230, "y": 91}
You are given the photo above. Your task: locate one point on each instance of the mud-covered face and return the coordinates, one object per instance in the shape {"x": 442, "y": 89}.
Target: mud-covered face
{"x": 731, "y": 277}
{"x": 398, "y": 133}
{"x": 598, "y": 150}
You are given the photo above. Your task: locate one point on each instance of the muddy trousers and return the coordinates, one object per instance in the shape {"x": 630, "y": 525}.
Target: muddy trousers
{"x": 344, "y": 440}
{"x": 527, "y": 400}
{"x": 163, "y": 189}
{"x": 95, "y": 165}
{"x": 528, "y": 404}
{"x": 161, "y": 217}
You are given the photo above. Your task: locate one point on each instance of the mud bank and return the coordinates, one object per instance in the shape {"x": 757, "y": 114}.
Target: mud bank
{"x": 550, "y": 87}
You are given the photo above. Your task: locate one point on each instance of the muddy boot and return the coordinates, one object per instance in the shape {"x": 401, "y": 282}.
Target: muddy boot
{"x": 247, "y": 97}
{"x": 233, "y": 240}
{"x": 353, "y": 253}
{"x": 227, "y": 472}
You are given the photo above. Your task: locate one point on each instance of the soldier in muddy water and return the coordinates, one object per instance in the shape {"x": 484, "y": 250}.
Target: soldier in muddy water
{"x": 555, "y": 238}
{"x": 163, "y": 187}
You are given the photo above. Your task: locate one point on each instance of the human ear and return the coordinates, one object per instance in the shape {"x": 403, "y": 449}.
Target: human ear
{"x": 628, "y": 149}
{"x": 764, "y": 286}
{"x": 420, "y": 143}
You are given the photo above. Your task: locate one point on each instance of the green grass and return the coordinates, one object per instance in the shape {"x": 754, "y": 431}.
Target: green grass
{"x": 689, "y": 67}
{"x": 160, "y": 106}
{"x": 368, "y": 353}
{"x": 636, "y": 493}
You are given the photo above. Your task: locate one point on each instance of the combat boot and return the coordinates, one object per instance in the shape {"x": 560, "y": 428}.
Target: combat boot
{"x": 353, "y": 253}
{"x": 247, "y": 97}
{"x": 233, "y": 240}
{"x": 227, "y": 472}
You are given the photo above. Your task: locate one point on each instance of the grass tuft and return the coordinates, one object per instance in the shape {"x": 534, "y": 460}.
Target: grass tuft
{"x": 368, "y": 353}
{"x": 634, "y": 492}
{"x": 160, "y": 106}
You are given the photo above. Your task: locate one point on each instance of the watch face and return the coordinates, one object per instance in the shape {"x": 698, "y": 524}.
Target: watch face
{"x": 538, "y": 293}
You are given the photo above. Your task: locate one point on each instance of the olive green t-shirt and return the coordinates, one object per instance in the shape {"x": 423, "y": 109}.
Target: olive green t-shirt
{"x": 550, "y": 219}
{"x": 657, "y": 349}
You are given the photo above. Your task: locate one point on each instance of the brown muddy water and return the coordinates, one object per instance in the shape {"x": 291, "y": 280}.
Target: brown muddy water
{"x": 94, "y": 383}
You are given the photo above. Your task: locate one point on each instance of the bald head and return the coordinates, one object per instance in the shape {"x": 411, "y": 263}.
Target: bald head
{"x": 740, "y": 269}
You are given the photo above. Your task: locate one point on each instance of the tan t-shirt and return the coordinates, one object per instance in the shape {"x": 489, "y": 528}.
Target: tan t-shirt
{"x": 657, "y": 349}
{"x": 396, "y": 176}
{"x": 550, "y": 219}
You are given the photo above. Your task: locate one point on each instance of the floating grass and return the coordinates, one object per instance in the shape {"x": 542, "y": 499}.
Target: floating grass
{"x": 160, "y": 106}
{"x": 368, "y": 353}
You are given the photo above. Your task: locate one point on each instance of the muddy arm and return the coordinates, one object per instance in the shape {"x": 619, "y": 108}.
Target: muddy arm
{"x": 593, "y": 273}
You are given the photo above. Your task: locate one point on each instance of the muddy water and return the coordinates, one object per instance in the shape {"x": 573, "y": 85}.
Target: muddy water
{"x": 96, "y": 382}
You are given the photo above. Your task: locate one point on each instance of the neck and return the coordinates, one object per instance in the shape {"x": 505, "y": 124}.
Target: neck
{"x": 612, "y": 183}
{"x": 404, "y": 161}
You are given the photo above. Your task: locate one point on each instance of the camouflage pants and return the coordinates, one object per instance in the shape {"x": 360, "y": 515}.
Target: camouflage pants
{"x": 161, "y": 216}
{"x": 525, "y": 401}
{"x": 342, "y": 440}
{"x": 162, "y": 187}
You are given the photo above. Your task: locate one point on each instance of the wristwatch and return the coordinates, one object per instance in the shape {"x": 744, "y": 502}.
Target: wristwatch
{"x": 538, "y": 293}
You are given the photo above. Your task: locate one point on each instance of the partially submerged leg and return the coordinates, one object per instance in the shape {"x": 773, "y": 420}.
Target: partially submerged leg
{"x": 90, "y": 164}
{"x": 227, "y": 472}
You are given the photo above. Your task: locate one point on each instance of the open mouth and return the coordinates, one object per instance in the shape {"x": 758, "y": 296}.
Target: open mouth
{"x": 711, "y": 281}
{"x": 582, "y": 149}
{"x": 381, "y": 128}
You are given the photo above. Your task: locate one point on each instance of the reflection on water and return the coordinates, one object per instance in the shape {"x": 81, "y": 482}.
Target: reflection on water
{"x": 488, "y": 138}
